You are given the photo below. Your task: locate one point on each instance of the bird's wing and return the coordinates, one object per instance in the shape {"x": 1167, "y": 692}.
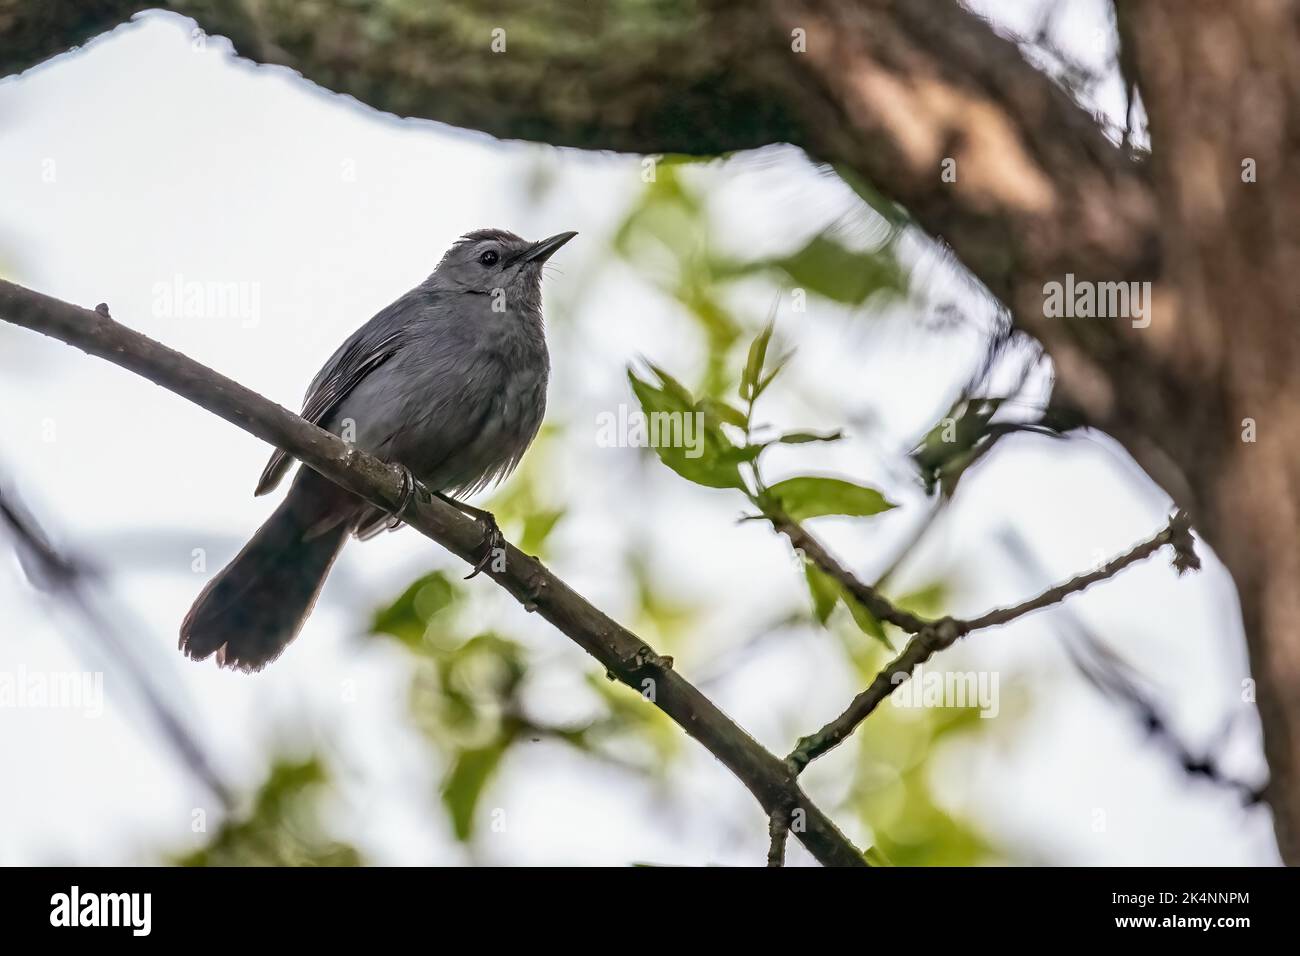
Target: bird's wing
{"x": 356, "y": 358}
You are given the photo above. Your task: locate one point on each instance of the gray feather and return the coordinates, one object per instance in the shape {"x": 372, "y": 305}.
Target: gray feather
{"x": 364, "y": 351}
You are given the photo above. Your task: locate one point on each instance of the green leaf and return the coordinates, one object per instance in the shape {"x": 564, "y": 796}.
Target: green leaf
{"x": 929, "y": 600}
{"x": 465, "y": 783}
{"x": 845, "y": 275}
{"x": 710, "y": 458}
{"x": 802, "y": 438}
{"x": 538, "y": 526}
{"x": 864, "y": 619}
{"x": 284, "y": 827}
{"x": 832, "y": 270}
{"x": 811, "y": 497}
{"x": 407, "y": 618}
{"x": 750, "y": 377}
{"x": 824, "y": 589}
{"x": 952, "y": 444}
{"x": 739, "y": 453}
{"x": 826, "y": 592}
{"x": 775, "y": 371}
{"x": 722, "y": 412}
{"x": 673, "y": 387}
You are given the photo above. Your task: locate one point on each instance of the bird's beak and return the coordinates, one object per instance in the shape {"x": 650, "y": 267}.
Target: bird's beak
{"x": 541, "y": 251}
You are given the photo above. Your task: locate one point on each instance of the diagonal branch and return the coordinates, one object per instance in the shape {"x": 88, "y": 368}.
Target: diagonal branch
{"x": 621, "y": 652}
{"x": 934, "y": 636}
{"x": 1178, "y": 534}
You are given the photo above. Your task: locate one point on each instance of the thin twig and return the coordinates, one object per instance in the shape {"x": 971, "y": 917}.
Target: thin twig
{"x": 881, "y": 608}
{"x": 1177, "y": 530}
{"x": 1115, "y": 679}
{"x": 918, "y": 651}
{"x": 934, "y": 636}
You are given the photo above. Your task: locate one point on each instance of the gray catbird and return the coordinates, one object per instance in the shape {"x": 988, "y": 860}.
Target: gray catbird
{"x": 448, "y": 381}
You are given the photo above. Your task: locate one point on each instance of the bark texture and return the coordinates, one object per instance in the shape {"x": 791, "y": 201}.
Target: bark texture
{"x": 1222, "y": 84}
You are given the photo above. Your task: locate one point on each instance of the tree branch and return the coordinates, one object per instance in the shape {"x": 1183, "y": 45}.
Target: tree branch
{"x": 885, "y": 89}
{"x": 881, "y": 608}
{"x": 1178, "y": 534}
{"x": 622, "y": 653}
{"x": 32, "y": 32}
{"x": 934, "y": 636}
{"x": 778, "y": 829}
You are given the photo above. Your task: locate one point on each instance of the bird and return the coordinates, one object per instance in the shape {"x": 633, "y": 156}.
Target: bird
{"x": 448, "y": 382}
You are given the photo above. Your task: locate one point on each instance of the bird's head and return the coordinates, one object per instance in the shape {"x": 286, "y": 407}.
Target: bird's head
{"x": 495, "y": 262}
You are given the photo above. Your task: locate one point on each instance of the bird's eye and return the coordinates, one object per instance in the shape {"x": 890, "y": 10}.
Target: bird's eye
{"x": 489, "y": 258}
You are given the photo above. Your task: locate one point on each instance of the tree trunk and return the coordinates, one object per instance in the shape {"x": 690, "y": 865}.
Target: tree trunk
{"x": 1222, "y": 85}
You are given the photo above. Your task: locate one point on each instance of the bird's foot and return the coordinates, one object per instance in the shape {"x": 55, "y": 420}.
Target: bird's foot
{"x": 493, "y": 539}
{"x": 404, "y": 497}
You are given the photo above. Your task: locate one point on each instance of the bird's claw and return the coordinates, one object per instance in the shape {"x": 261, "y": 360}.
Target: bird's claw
{"x": 492, "y": 540}
{"x": 404, "y": 497}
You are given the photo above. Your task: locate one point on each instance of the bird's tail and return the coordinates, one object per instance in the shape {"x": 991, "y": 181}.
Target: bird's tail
{"x": 255, "y": 606}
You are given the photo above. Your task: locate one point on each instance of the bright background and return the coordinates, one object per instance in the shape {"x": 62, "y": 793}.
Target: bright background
{"x": 151, "y": 154}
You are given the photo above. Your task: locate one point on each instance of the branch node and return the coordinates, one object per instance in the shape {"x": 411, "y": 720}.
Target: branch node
{"x": 647, "y": 658}
{"x": 941, "y": 634}
{"x": 799, "y": 757}
{"x": 534, "y": 592}
{"x": 1180, "y": 536}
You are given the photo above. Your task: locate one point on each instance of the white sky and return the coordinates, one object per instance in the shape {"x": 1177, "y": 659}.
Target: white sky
{"x": 167, "y": 160}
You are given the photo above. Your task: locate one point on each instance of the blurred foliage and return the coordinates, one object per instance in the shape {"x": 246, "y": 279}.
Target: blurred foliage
{"x": 968, "y": 432}
{"x": 466, "y": 697}
{"x": 666, "y": 235}
{"x": 660, "y": 615}
{"x": 468, "y": 688}
{"x": 282, "y": 829}
{"x": 830, "y": 269}
{"x": 955, "y": 443}
{"x": 890, "y": 789}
